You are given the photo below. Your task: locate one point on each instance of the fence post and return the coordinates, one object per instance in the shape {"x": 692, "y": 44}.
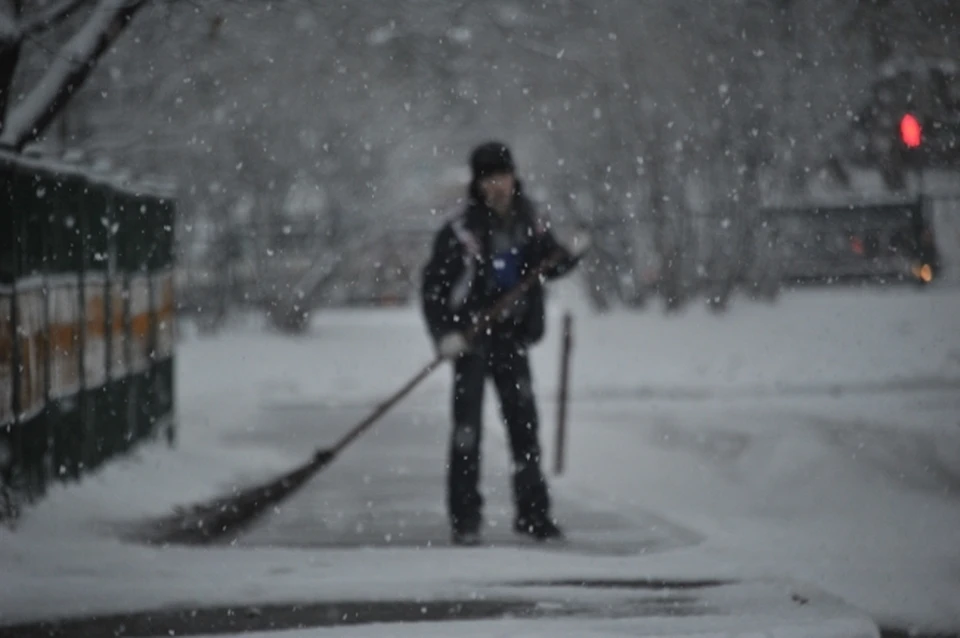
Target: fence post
{"x": 9, "y": 357}
{"x": 565, "y": 346}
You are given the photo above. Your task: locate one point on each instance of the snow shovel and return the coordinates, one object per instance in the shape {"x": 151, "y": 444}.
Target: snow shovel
{"x": 208, "y": 522}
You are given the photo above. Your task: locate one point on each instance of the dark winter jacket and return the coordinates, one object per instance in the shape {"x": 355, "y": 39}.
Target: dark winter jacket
{"x": 476, "y": 258}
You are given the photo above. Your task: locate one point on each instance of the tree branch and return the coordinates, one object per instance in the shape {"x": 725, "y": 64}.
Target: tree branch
{"x": 74, "y": 62}
{"x": 9, "y": 58}
{"x": 49, "y": 17}
{"x": 9, "y": 17}
{"x": 9, "y": 54}
{"x": 14, "y": 29}
{"x": 8, "y": 30}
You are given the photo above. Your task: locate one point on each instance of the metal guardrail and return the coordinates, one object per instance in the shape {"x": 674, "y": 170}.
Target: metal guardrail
{"x": 87, "y": 314}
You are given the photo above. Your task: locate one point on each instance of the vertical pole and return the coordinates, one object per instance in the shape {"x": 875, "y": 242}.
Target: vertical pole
{"x": 566, "y": 344}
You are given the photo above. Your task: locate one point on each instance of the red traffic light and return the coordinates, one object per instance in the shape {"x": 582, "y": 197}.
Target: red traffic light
{"x": 911, "y": 132}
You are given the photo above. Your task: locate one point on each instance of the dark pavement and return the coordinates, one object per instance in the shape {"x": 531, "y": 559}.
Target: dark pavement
{"x": 387, "y": 488}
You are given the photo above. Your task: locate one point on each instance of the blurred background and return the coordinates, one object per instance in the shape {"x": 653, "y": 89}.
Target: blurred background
{"x": 715, "y": 150}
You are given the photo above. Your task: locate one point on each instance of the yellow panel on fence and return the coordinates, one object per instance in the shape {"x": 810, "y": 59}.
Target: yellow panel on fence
{"x": 30, "y": 332}
{"x": 95, "y": 353}
{"x": 118, "y": 357}
{"x": 63, "y": 298}
{"x": 139, "y": 322}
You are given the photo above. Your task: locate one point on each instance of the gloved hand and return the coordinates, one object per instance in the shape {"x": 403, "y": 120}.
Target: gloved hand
{"x": 452, "y": 345}
{"x": 578, "y": 243}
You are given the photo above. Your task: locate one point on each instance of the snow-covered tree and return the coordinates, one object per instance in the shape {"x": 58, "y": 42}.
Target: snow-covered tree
{"x": 96, "y": 26}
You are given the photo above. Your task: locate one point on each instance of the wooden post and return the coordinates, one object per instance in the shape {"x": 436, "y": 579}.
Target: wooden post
{"x": 565, "y": 346}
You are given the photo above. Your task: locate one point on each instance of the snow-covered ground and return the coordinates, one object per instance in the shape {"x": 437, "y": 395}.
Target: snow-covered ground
{"x": 814, "y": 441}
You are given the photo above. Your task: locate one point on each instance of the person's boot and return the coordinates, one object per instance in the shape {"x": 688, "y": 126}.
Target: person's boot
{"x": 539, "y": 528}
{"x": 466, "y": 538}
{"x": 466, "y": 533}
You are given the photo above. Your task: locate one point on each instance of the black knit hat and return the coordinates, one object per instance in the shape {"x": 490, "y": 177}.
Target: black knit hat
{"x": 491, "y": 158}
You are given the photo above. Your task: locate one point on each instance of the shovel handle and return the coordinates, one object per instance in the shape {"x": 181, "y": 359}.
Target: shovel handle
{"x": 512, "y": 296}
{"x": 383, "y": 407}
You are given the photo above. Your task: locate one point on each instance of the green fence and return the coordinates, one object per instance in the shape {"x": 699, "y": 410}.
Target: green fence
{"x": 86, "y": 322}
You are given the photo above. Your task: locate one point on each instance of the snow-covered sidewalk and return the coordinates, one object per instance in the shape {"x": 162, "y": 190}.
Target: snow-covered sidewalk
{"x": 815, "y": 440}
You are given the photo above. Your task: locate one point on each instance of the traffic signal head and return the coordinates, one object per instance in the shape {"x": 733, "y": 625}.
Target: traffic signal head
{"x": 911, "y": 132}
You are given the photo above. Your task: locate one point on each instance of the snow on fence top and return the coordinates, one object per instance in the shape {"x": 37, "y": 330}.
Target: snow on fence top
{"x": 119, "y": 180}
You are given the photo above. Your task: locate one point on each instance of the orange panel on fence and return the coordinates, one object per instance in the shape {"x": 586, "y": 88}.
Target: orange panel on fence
{"x": 118, "y": 358}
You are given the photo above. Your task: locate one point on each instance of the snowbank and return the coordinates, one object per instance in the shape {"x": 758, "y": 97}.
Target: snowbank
{"x": 811, "y": 340}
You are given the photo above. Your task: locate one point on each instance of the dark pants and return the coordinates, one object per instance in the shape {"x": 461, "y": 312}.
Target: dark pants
{"x": 509, "y": 366}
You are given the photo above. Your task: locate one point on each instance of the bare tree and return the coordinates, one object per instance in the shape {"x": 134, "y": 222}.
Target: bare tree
{"x": 102, "y": 23}
{"x": 617, "y": 110}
